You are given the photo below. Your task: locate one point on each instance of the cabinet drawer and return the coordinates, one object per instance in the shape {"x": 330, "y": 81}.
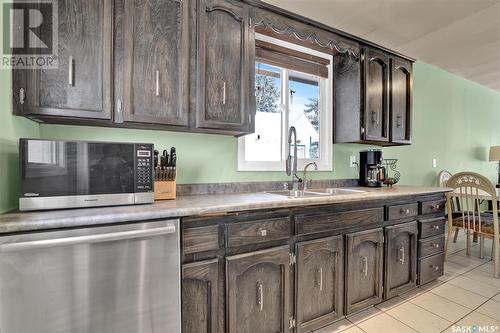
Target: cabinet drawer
{"x": 432, "y": 207}
{"x": 402, "y": 211}
{"x": 200, "y": 239}
{"x": 245, "y": 233}
{"x": 308, "y": 224}
{"x": 430, "y": 246}
{"x": 431, "y": 227}
{"x": 430, "y": 268}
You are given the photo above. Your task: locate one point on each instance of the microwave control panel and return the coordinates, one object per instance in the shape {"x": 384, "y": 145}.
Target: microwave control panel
{"x": 144, "y": 168}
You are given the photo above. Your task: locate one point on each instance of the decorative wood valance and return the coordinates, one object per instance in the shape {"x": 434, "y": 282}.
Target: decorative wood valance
{"x": 266, "y": 23}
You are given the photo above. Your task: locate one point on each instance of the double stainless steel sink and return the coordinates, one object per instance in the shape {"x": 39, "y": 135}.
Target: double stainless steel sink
{"x": 292, "y": 194}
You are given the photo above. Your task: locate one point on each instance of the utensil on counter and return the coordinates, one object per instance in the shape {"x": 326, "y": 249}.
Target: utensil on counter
{"x": 165, "y": 174}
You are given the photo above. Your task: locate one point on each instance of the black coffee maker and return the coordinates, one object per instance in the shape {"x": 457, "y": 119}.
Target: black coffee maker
{"x": 371, "y": 171}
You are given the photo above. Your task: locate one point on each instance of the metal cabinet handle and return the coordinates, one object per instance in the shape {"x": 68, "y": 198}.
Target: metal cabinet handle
{"x": 263, "y": 232}
{"x": 436, "y": 227}
{"x": 365, "y": 266}
{"x": 376, "y": 116}
{"x": 70, "y": 70}
{"x": 46, "y": 243}
{"x": 435, "y": 245}
{"x": 405, "y": 211}
{"x": 320, "y": 280}
{"x": 402, "y": 255}
{"x": 223, "y": 93}
{"x": 157, "y": 83}
{"x": 434, "y": 267}
{"x": 260, "y": 296}
{"x": 436, "y": 207}
{"x": 399, "y": 122}
{"x": 22, "y": 95}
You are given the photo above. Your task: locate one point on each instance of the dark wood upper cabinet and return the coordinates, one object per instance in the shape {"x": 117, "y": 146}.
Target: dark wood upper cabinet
{"x": 373, "y": 98}
{"x": 376, "y": 99}
{"x": 156, "y": 60}
{"x": 364, "y": 269}
{"x": 81, "y": 85}
{"x": 400, "y": 258}
{"x": 200, "y": 295}
{"x": 258, "y": 291}
{"x": 401, "y": 100}
{"x": 319, "y": 284}
{"x": 225, "y": 73}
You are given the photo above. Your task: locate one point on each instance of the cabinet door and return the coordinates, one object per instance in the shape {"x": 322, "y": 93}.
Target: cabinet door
{"x": 81, "y": 85}
{"x": 226, "y": 61}
{"x": 319, "y": 282}
{"x": 156, "y": 62}
{"x": 364, "y": 269}
{"x": 258, "y": 287}
{"x": 376, "y": 106}
{"x": 400, "y": 258}
{"x": 401, "y": 100}
{"x": 200, "y": 295}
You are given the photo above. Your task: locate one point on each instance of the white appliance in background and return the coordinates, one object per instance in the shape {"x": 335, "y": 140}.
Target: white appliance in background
{"x": 121, "y": 278}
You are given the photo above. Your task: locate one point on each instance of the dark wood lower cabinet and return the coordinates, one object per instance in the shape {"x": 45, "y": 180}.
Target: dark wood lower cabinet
{"x": 319, "y": 284}
{"x": 400, "y": 258}
{"x": 200, "y": 295}
{"x": 364, "y": 269}
{"x": 258, "y": 291}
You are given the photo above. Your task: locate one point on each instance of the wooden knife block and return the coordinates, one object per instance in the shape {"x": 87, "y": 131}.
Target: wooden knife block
{"x": 165, "y": 189}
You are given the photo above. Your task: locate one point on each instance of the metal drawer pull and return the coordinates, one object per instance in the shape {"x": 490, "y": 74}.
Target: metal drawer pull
{"x": 405, "y": 211}
{"x": 263, "y": 232}
{"x": 436, "y": 227}
{"x": 320, "y": 281}
{"x": 46, "y": 243}
{"x": 435, "y": 245}
{"x": 223, "y": 93}
{"x": 157, "y": 83}
{"x": 260, "y": 296}
{"x": 70, "y": 70}
{"x": 402, "y": 254}
{"x": 434, "y": 267}
{"x": 365, "y": 266}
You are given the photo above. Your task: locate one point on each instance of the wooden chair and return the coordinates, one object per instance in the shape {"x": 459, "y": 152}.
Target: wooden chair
{"x": 469, "y": 190}
{"x": 443, "y": 177}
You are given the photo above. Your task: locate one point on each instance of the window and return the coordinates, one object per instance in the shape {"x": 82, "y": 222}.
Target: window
{"x": 293, "y": 88}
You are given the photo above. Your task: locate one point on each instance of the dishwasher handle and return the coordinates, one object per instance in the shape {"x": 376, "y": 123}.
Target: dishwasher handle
{"x": 99, "y": 238}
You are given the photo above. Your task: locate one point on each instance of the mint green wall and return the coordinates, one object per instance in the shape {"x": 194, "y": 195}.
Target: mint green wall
{"x": 11, "y": 129}
{"x": 455, "y": 121}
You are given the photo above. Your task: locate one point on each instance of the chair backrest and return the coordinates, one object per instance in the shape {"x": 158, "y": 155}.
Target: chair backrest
{"x": 470, "y": 189}
{"x": 443, "y": 177}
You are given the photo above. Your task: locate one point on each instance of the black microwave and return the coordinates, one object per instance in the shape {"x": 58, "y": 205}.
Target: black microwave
{"x": 69, "y": 174}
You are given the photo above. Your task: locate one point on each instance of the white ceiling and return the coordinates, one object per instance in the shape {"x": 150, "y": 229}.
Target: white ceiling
{"x": 460, "y": 36}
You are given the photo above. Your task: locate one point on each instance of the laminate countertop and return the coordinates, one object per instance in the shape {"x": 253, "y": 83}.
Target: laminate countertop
{"x": 190, "y": 206}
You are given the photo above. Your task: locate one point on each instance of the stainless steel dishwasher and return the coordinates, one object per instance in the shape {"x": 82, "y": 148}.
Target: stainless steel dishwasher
{"x": 120, "y": 278}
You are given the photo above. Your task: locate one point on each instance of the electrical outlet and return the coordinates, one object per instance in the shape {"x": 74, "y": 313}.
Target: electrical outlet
{"x": 352, "y": 161}
{"x": 434, "y": 163}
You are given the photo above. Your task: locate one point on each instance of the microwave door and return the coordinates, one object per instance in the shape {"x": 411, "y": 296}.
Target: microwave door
{"x": 82, "y": 168}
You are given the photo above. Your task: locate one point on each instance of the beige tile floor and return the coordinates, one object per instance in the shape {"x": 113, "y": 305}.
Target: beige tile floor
{"x": 465, "y": 299}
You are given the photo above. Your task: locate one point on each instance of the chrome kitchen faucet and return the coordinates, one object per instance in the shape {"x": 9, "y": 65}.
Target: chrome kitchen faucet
{"x": 291, "y": 169}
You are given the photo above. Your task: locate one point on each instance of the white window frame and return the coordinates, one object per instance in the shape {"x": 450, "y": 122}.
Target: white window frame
{"x": 325, "y": 162}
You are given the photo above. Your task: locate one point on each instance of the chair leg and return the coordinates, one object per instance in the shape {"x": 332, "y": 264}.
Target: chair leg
{"x": 496, "y": 256}
{"x": 481, "y": 246}
{"x": 467, "y": 251}
{"x": 456, "y": 235}
{"x": 450, "y": 231}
